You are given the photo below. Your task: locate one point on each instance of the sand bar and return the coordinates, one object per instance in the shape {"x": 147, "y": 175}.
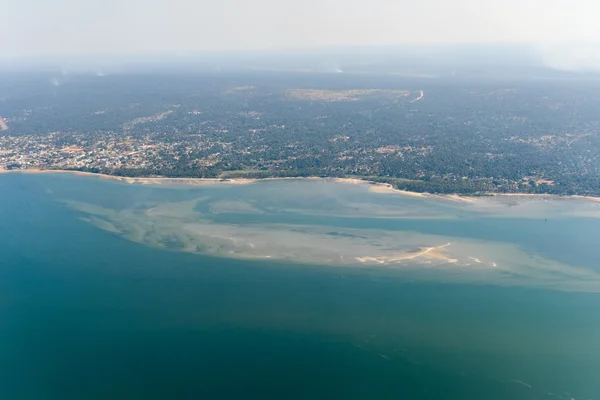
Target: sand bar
{"x": 384, "y": 188}
{"x": 433, "y": 253}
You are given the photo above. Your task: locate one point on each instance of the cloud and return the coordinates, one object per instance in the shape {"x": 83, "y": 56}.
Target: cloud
{"x": 41, "y": 27}
{"x": 577, "y": 58}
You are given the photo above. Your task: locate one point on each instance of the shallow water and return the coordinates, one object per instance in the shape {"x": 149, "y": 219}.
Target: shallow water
{"x": 91, "y": 313}
{"x": 508, "y": 240}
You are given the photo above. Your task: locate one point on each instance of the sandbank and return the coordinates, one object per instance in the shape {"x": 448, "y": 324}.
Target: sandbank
{"x": 389, "y": 189}
{"x": 432, "y": 253}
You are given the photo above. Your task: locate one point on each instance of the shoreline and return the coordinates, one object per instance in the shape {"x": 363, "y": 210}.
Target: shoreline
{"x": 131, "y": 180}
{"x": 546, "y": 196}
{"x": 375, "y": 187}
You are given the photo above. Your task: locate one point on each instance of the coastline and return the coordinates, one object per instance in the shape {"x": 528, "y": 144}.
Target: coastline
{"x": 374, "y": 187}
{"x": 131, "y": 180}
{"x": 545, "y": 195}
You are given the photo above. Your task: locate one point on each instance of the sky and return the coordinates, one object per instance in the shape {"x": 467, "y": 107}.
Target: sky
{"x": 78, "y": 27}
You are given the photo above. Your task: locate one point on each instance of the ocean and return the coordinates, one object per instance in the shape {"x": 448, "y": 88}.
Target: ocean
{"x": 293, "y": 289}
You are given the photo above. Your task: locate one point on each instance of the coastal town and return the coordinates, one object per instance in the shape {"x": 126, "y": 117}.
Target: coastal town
{"x": 108, "y": 152}
{"x": 73, "y": 151}
{"x": 440, "y": 140}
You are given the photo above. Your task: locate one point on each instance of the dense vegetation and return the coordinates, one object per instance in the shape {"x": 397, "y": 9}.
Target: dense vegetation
{"x": 465, "y": 136}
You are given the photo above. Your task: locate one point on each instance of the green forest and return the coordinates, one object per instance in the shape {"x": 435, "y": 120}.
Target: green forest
{"x": 419, "y": 134}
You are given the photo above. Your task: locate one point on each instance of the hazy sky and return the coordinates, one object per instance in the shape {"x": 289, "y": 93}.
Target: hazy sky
{"x": 38, "y": 27}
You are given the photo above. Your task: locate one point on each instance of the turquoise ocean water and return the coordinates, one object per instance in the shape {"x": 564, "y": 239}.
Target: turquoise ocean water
{"x": 91, "y": 313}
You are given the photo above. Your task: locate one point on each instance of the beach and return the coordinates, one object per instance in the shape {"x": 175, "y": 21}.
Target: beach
{"x": 384, "y": 188}
{"x": 375, "y": 187}
{"x": 137, "y": 180}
